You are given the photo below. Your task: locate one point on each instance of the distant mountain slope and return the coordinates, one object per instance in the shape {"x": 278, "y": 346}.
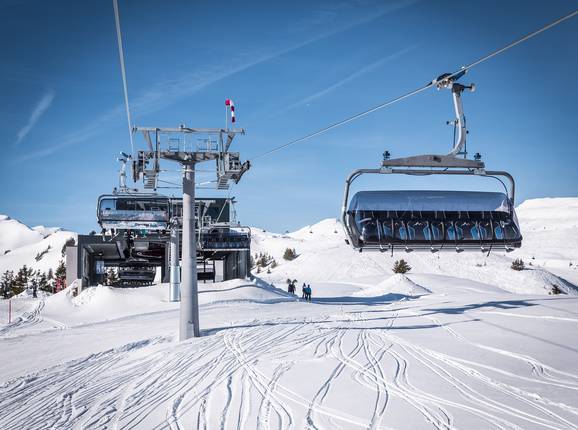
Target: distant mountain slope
{"x": 39, "y": 247}
{"x": 14, "y": 234}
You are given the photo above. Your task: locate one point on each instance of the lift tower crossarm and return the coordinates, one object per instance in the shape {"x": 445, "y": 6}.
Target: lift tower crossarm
{"x": 231, "y": 131}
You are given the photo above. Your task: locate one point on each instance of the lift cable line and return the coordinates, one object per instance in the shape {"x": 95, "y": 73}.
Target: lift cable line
{"x": 123, "y": 72}
{"x": 435, "y": 82}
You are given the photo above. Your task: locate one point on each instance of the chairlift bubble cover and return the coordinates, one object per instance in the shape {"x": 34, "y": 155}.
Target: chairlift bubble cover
{"x": 429, "y": 201}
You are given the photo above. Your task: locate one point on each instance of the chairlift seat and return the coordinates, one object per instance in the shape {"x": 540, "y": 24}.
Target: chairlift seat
{"x": 428, "y": 219}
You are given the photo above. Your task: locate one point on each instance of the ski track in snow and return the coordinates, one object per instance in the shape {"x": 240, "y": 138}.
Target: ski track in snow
{"x": 26, "y": 319}
{"x": 248, "y": 376}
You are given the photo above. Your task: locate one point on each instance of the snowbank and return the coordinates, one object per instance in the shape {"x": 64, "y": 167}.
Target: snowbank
{"x": 102, "y": 303}
{"x": 396, "y": 284}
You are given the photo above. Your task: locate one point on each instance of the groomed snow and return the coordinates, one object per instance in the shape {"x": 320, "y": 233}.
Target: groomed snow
{"x": 461, "y": 356}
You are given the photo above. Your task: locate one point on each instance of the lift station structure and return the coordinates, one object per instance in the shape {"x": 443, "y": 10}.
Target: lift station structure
{"x": 144, "y": 230}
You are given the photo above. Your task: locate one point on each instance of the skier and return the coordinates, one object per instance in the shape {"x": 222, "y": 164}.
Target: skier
{"x": 308, "y": 293}
{"x": 303, "y": 289}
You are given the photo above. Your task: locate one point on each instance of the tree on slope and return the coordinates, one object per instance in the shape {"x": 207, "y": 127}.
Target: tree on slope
{"x": 401, "y": 266}
{"x": 43, "y": 282}
{"x": 263, "y": 259}
{"x": 60, "y": 276}
{"x": 518, "y": 264}
{"x": 6, "y": 283}
{"x": 289, "y": 254}
{"x": 41, "y": 254}
{"x": 21, "y": 280}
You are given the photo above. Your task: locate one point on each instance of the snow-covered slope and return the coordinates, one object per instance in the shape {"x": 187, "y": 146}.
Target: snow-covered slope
{"x": 445, "y": 346}
{"x": 550, "y": 250}
{"x": 14, "y": 234}
{"x": 39, "y": 247}
{"x": 550, "y": 228}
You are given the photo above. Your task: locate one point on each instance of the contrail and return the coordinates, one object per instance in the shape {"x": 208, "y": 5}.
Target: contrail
{"x": 42, "y": 106}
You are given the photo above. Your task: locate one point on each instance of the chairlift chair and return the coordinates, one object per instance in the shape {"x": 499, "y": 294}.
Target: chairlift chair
{"x": 136, "y": 273}
{"x": 224, "y": 237}
{"x": 433, "y": 220}
{"x": 133, "y": 211}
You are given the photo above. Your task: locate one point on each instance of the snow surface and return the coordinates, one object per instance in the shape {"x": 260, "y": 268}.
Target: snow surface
{"x": 14, "y": 234}
{"x": 452, "y": 344}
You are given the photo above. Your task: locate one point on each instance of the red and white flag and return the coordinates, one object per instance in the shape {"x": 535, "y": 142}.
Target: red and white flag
{"x": 231, "y": 106}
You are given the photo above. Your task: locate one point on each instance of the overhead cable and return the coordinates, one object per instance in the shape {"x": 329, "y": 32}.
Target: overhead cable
{"x": 462, "y": 70}
{"x": 122, "y": 69}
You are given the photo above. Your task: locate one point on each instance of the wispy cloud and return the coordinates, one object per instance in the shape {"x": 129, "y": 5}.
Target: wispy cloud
{"x": 169, "y": 92}
{"x": 360, "y": 72}
{"x": 39, "y": 109}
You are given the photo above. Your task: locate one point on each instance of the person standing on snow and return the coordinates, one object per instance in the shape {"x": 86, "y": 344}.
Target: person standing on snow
{"x": 308, "y": 293}
{"x": 303, "y": 291}
{"x": 34, "y": 289}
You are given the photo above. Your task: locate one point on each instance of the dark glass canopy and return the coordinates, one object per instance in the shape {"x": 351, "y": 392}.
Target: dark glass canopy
{"x": 433, "y": 219}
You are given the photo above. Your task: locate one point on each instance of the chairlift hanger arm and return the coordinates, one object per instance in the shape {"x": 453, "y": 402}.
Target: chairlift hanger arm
{"x": 460, "y": 120}
{"x": 449, "y": 81}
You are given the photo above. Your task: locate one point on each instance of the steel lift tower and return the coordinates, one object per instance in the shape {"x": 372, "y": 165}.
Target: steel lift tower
{"x": 229, "y": 168}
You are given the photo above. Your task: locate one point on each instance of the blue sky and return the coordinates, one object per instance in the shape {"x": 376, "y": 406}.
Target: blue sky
{"x": 291, "y": 68}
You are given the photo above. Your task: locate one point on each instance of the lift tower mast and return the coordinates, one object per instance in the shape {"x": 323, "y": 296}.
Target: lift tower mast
{"x": 146, "y": 166}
